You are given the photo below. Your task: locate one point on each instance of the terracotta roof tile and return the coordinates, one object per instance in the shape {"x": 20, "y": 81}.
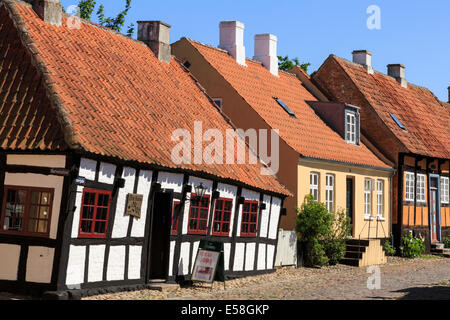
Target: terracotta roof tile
{"x": 426, "y": 121}
{"x": 307, "y": 133}
{"x": 122, "y": 102}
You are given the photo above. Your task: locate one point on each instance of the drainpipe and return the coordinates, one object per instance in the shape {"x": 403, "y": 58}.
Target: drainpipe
{"x": 391, "y": 225}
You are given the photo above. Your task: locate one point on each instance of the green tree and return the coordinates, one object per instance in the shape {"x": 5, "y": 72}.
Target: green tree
{"x": 284, "y": 63}
{"x": 87, "y": 8}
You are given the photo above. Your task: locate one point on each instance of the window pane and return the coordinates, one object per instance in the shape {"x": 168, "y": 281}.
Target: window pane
{"x": 32, "y": 225}
{"x": 35, "y": 197}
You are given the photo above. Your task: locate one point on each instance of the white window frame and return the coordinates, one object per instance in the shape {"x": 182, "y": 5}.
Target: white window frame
{"x": 380, "y": 198}
{"x": 350, "y": 127}
{"x": 368, "y": 187}
{"x": 313, "y": 186}
{"x": 410, "y": 186}
{"x": 420, "y": 188}
{"x": 445, "y": 192}
{"x": 330, "y": 192}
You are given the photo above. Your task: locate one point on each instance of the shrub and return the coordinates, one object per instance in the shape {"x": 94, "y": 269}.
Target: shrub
{"x": 335, "y": 241}
{"x": 411, "y": 247}
{"x": 447, "y": 242}
{"x": 389, "y": 249}
{"x": 313, "y": 224}
{"x": 323, "y": 235}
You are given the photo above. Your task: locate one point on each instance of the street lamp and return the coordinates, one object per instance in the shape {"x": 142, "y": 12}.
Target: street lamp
{"x": 200, "y": 190}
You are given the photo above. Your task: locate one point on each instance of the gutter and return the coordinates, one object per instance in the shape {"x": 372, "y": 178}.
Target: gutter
{"x": 344, "y": 163}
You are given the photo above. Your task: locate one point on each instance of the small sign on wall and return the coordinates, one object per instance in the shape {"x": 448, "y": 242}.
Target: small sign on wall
{"x": 134, "y": 205}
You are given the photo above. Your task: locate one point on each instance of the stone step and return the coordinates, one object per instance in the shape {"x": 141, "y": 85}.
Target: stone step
{"x": 354, "y": 255}
{"x": 355, "y": 242}
{"x": 351, "y": 262}
{"x": 438, "y": 246}
{"x": 355, "y": 248}
{"x": 163, "y": 287}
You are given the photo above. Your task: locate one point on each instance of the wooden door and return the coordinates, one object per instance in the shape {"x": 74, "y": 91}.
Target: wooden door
{"x": 160, "y": 236}
{"x": 434, "y": 215}
{"x": 350, "y": 200}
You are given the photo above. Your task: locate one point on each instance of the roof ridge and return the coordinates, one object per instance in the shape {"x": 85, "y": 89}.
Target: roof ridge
{"x": 378, "y": 72}
{"x": 224, "y": 51}
{"x": 88, "y": 22}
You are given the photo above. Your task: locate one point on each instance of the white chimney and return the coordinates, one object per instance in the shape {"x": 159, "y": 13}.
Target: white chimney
{"x": 232, "y": 40}
{"x": 397, "y": 71}
{"x": 364, "y": 58}
{"x": 266, "y": 51}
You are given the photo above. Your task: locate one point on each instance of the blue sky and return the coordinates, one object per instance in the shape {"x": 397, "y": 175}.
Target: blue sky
{"x": 414, "y": 33}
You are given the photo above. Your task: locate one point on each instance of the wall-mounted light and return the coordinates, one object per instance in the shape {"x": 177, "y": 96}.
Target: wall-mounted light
{"x": 283, "y": 212}
{"x": 120, "y": 183}
{"x": 156, "y": 186}
{"x": 216, "y": 194}
{"x": 241, "y": 200}
{"x": 200, "y": 190}
{"x": 263, "y": 206}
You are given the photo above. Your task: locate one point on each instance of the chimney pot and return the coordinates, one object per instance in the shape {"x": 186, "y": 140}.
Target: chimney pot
{"x": 266, "y": 51}
{"x": 448, "y": 94}
{"x": 364, "y": 58}
{"x": 397, "y": 71}
{"x": 232, "y": 39}
{"x": 49, "y": 10}
{"x": 156, "y": 35}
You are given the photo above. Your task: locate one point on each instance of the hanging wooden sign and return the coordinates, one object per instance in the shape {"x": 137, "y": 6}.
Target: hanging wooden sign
{"x": 134, "y": 205}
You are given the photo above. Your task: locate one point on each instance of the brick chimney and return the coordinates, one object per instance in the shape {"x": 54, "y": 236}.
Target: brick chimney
{"x": 49, "y": 10}
{"x": 397, "y": 71}
{"x": 266, "y": 51}
{"x": 364, "y": 58}
{"x": 232, "y": 39}
{"x": 156, "y": 35}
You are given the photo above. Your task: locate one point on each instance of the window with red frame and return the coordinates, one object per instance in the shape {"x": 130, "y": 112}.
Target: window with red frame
{"x": 27, "y": 210}
{"x": 176, "y": 217}
{"x": 198, "y": 215}
{"x": 249, "y": 219}
{"x": 94, "y": 213}
{"x": 222, "y": 217}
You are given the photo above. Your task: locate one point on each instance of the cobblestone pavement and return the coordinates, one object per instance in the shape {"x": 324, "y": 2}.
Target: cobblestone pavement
{"x": 425, "y": 278}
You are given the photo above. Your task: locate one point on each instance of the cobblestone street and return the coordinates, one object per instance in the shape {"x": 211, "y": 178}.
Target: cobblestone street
{"x": 425, "y": 278}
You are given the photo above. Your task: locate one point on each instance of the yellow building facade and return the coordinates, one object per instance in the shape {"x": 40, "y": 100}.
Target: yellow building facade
{"x": 364, "y": 192}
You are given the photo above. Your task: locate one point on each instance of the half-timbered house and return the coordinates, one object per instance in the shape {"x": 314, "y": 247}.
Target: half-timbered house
{"x": 411, "y": 127}
{"x": 91, "y": 196}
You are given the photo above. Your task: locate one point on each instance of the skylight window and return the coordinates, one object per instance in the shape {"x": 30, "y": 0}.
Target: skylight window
{"x": 285, "y": 107}
{"x": 398, "y": 122}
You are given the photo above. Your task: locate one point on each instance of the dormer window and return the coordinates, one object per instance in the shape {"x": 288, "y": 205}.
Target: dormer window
{"x": 352, "y": 127}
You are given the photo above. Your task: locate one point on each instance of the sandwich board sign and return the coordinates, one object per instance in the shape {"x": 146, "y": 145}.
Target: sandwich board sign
{"x": 209, "y": 264}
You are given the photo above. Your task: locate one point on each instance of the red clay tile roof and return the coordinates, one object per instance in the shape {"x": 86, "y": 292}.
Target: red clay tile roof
{"x": 307, "y": 134}
{"x": 117, "y": 99}
{"x": 426, "y": 121}
{"x": 446, "y": 105}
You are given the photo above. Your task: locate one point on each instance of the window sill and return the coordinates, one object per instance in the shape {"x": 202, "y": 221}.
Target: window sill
{"x": 381, "y": 219}
{"x": 369, "y": 218}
